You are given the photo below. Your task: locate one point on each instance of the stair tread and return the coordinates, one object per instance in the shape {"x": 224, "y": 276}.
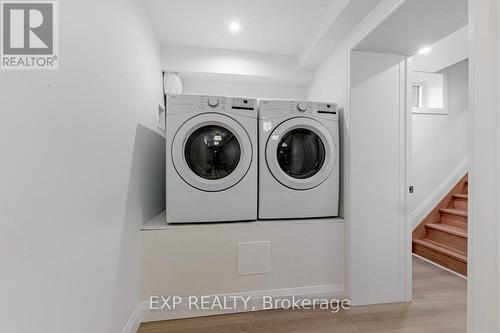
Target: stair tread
{"x": 457, "y": 231}
{"x": 453, "y": 211}
{"x": 461, "y": 196}
{"x": 443, "y": 249}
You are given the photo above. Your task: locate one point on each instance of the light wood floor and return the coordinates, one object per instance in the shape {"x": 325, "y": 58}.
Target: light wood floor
{"x": 439, "y": 306}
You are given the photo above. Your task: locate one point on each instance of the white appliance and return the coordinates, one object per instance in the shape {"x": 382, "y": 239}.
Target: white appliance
{"x": 211, "y": 159}
{"x": 298, "y": 159}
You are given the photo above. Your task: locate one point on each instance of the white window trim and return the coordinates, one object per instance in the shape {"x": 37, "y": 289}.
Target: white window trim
{"x": 436, "y": 111}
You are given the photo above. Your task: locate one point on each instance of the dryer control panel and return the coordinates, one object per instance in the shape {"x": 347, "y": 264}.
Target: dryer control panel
{"x": 276, "y": 108}
{"x": 312, "y": 108}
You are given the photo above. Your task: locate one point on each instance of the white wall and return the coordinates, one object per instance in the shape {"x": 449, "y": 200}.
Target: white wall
{"x": 203, "y": 260}
{"x": 81, "y": 170}
{"x": 236, "y": 73}
{"x": 483, "y": 290}
{"x": 250, "y": 66}
{"x": 246, "y": 89}
{"x": 439, "y": 142}
{"x": 377, "y": 170}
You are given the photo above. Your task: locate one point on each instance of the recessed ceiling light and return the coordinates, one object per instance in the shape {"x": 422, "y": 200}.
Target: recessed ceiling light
{"x": 424, "y": 50}
{"x": 234, "y": 26}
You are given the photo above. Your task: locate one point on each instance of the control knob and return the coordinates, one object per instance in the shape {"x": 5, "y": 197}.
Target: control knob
{"x": 213, "y": 102}
{"x": 301, "y": 107}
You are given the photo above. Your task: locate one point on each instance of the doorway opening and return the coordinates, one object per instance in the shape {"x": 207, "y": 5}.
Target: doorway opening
{"x": 408, "y": 155}
{"x": 438, "y": 208}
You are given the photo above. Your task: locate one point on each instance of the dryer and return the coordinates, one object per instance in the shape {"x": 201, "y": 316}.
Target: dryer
{"x": 211, "y": 159}
{"x": 298, "y": 159}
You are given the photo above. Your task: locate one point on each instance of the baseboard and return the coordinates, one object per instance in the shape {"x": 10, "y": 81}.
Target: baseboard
{"x": 438, "y": 265}
{"x": 439, "y": 193}
{"x": 335, "y": 291}
{"x": 135, "y": 320}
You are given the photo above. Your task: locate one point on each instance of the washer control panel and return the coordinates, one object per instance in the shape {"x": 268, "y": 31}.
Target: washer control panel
{"x": 181, "y": 104}
{"x": 326, "y": 108}
{"x": 212, "y": 103}
{"x": 243, "y": 104}
{"x": 227, "y": 104}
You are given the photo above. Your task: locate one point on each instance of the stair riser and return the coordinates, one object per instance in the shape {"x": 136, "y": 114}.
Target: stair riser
{"x": 460, "y": 204}
{"x": 441, "y": 259}
{"x": 443, "y": 237}
{"x": 455, "y": 220}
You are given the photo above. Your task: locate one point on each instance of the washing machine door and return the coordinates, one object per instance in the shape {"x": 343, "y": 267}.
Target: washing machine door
{"x": 211, "y": 152}
{"x": 300, "y": 153}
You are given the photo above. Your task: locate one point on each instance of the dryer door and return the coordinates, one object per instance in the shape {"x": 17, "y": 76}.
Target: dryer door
{"x": 211, "y": 152}
{"x": 300, "y": 153}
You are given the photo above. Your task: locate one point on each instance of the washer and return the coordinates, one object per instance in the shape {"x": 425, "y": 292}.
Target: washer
{"x": 298, "y": 159}
{"x": 211, "y": 159}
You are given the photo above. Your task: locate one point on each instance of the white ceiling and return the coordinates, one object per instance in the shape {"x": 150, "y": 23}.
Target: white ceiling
{"x": 416, "y": 24}
{"x": 305, "y": 31}
{"x": 269, "y": 26}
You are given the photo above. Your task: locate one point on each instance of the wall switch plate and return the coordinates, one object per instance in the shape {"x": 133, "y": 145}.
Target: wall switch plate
{"x": 162, "y": 120}
{"x": 254, "y": 257}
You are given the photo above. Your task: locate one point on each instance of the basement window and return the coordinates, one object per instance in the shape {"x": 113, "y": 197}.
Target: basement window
{"x": 417, "y": 92}
{"x": 428, "y": 92}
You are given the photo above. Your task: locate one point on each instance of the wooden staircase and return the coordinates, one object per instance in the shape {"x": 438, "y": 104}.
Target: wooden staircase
{"x": 442, "y": 236}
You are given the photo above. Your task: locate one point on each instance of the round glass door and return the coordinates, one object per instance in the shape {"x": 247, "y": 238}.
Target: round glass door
{"x": 300, "y": 153}
{"x": 212, "y": 152}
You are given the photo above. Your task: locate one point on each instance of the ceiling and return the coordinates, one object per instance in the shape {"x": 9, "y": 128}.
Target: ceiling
{"x": 416, "y": 24}
{"x": 269, "y": 26}
{"x": 305, "y": 31}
